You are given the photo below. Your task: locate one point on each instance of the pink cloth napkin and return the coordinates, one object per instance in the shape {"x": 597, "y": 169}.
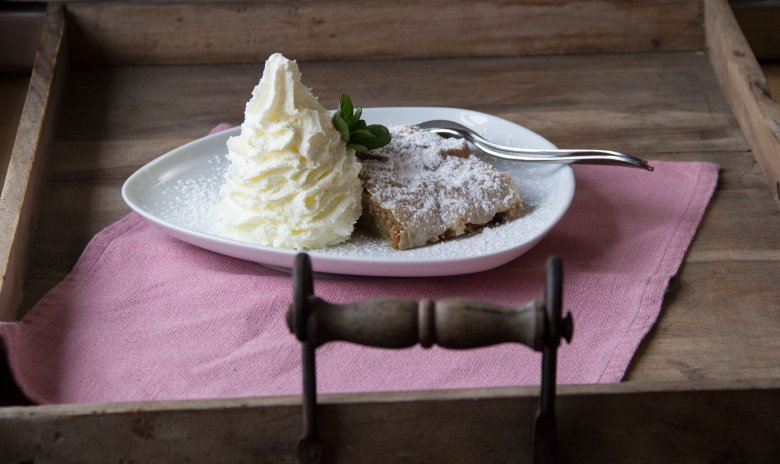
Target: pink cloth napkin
{"x": 143, "y": 316}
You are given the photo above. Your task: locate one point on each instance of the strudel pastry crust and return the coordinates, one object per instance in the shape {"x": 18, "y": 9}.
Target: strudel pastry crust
{"x": 422, "y": 188}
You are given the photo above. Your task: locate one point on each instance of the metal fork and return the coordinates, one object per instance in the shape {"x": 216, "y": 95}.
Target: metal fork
{"x": 453, "y": 129}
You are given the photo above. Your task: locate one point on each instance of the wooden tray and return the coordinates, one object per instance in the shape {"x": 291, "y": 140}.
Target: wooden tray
{"x": 115, "y": 85}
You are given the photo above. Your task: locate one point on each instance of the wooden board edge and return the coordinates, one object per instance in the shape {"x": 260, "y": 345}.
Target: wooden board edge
{"x": 26, "y": 167}
{"x": 745, "y": 88}
{"x": 163, "y": 33}
{"x": 618, "y": 426}
{"x": 472, "y": 394}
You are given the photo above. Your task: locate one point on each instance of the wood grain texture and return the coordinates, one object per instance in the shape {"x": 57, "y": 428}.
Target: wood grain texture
{"x": 13, "y": 92}
{"x": 745, "y": 88}
{"x": 659, "y": 106}
{"x": 28, "y": 159}
{"x": 720, "y": 320}
{"x": 660, "y": 102}
{"x": 235, "y": 32}
{"x": 596, "y": 425}
{"x": 117, "y": 119}
{"x": 716, "y": 338}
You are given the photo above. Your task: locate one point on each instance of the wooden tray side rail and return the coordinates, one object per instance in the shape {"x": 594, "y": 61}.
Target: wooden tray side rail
{"x": 597, "y": 424}
{"x": 692, "y": 420}
{"x": 746, "y": 89}
{"x": 27, "y": 166}
{"x": 247, "y": 32}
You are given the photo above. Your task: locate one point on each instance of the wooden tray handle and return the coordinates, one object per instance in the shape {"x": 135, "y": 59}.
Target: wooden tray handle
{"x": 457, "y": 323}
{"x": 452, "y": 323}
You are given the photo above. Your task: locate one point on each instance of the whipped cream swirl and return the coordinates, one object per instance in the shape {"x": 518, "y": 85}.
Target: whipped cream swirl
{"x": 291, "y": 182}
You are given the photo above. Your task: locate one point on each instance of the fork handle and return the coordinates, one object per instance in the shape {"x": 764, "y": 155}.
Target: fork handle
{"x": 561, "y": 155}
{"x": 582, "y": 156}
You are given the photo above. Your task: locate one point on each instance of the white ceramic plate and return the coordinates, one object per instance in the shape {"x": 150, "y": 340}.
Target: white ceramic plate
{"x": 178, "y": 191}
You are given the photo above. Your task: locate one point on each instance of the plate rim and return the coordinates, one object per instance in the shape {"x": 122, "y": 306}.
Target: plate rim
{"x": 324, "y": 262}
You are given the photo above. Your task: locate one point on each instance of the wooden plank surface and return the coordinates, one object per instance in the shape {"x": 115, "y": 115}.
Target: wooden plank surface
{"x": 722, "y": 321}
{"x": 26, "y": 166}
{"x": 745, "y": 88}
{"x": 230, "y": 32}
{"x": 13, "y": 92}
{"x": 596, "y": 424}
{"x": 654, "y": 102}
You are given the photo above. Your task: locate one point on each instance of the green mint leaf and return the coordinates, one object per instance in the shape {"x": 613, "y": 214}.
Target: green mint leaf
{"x": 341, "y": 126}
{"x": 360, "y": 133}
{"x": 354, "y": 131}
{"x": 381, "y": 133}
{"x": 345, "y": 108}
{"x": 373, "y": 136}
{"x": 370, "y": 144}
{"x": 360, "y": 148}
{"x": 356, "y": 118}
{"x": 357, "y": 125}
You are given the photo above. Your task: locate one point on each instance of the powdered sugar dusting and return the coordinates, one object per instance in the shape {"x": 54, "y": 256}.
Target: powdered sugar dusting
{"x": 179, "y": 191}
{"x": 429, "y": 191}
{"x": 189, "y": 202}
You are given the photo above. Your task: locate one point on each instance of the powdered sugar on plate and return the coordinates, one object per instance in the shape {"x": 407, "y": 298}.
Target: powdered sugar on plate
{"x": 179, "y": 191}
